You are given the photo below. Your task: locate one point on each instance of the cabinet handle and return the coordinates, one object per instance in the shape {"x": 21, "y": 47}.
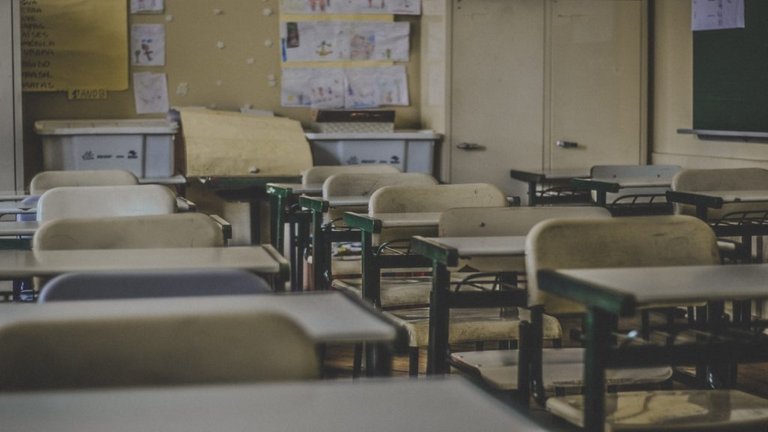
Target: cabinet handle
{"x": 566, "y": 144}
{"x": 470, "y": 146}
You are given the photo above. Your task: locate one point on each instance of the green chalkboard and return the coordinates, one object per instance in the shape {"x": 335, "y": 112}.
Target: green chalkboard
{"x": 730, "y": 74}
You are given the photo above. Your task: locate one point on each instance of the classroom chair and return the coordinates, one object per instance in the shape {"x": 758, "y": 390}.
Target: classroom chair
{"x": 162, "y": 283}
{"x": 636, "y": 200}
{"x": 725, "y": 179}
{"x": 620, "y": 242}
{"x": 46, "y": 180}
{"x": 141, "y": 344}
{"x": 345, "y": 262}
{"x": 105, "y": 201}
{"x": 129, "y": 232}
{"x": 318, "y": 174}
{"x": 404, "y": 293}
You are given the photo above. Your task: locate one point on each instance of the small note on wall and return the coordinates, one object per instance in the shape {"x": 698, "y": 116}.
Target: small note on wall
{"x": 151, "y": 92}
{"x": 74, "y": 44}
{"x": 148, "y": 45}
{"x": 717, "y": 14}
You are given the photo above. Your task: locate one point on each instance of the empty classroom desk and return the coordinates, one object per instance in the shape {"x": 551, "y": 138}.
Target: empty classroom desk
{"x": 263, "y": 260}
{"x": 610, "y": 293}
{"x": 445, "y": 252}
{"x": 551, "y": 186}
{"x": 250, "y": 189}
{"x": 319, "y": 406}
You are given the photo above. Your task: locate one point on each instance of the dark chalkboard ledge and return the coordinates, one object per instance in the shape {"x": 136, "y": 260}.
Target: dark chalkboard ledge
{"x": 721, "y": 135}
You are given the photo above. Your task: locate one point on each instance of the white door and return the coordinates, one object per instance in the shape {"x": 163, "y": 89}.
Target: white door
{"x": 528, "y": 73}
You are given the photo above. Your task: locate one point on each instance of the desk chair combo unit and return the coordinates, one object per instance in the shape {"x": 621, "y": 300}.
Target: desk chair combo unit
{"x": 395, "y": 214}
{"x": 659, "y": 251}
{"x": 285, "y": 209}
{"x": 733, "y": 201}
{"x": 552, "y": 186}
{"x": 343, "y": 193}
{"x": 630, "y": 189}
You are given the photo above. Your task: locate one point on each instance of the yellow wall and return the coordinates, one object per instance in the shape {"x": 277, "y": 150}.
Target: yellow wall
{"x": 223, "y": 78}
{"x": 673, "y": 99}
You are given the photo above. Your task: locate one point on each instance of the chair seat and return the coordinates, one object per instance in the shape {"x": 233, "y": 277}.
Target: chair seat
{"x": 670, "y": 410}
{"x": 396, "y": 291}
{"x": 471, "y": 325}
{"x": 562, "y": 367}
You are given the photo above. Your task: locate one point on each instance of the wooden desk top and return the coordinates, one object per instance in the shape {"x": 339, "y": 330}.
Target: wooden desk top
{"x": 318, "y": 406}
{"x": 329, "y": 317}
{"x": 294, "y": 188}
{"x": 24, "y": 263}
{"x": 448, "y": 250}
{"x": 623, "y": 290}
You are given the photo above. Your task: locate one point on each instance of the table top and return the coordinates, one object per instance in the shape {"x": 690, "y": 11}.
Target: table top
{"x": 448, "y": 250}
{"x": 286, "y": 189}
{"x": 18, "y": 228}
{"x": 330, "y": 317}
{"x": 376, "y": 222}
{"x": 349, "y": 201}
{"x": 718, "y": 198}
{"x": 15, "y": 207}
{"x": 614, "y": 184}
{"x": 246, "y": 181}
{"x": 547, "y": 174}
{"x": 623, "y": 290}
{"x": 320, "y": 406}
{"x": 262, "y": 259}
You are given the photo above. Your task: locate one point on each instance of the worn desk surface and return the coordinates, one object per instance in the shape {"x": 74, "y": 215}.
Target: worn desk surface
{"x": 320, "y": 406}
{"x": 608, "y": 293}
{"x": 24, "y": 263}
{"x": 536, "y": 178}
{"x": 328, "y": 317}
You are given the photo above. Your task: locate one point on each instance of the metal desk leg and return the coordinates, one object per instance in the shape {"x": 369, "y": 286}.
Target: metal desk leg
{"x": 598, "y": 333}
{"x": 439, "y": 313}
{"x": 531, "y": 194}
{"x": 378, "y": 360}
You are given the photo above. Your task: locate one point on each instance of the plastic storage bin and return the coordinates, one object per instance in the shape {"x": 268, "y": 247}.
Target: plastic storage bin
{"x": 409, "y": 151}
{"x": 144, "y": 147}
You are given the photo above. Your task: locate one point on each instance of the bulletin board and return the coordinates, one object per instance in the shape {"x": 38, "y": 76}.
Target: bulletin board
{"x": 730, "y": 75}
{"x": 74, "y": 45}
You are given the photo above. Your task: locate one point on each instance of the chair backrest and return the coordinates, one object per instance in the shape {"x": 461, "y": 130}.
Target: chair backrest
{"x": 105, "y": 201}
{"x": 136, "y": 348}
{"x": 505, "y": 221}
{"x": 634, "y": 171}
{"x": 166, "y": 283}
{"x": 318, "y": 174}
{"x": 129, "y": 232}
{"x": 508, "y": 221}
{"x": 46, "y": 180}
{"x": 616, "y": 242}
{"x": 366, "y": 184}
{"x": 431, "y": 198}
{"x": 693, "y": 180}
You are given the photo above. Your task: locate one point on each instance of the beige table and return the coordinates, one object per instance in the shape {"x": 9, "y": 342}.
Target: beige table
{"x": 263, "y": 260}
{"x": 320, "y": 406}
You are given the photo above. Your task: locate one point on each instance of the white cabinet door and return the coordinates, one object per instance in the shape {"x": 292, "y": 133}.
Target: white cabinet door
{"x": 497, "y": 71}
{"x": 528, "y": 73}
{"x": 11, "y": 161}
{"x": 596, "y": 82}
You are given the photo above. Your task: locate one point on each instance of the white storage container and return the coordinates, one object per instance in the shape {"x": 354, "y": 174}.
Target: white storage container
{"x": 409, "y": 151}
{"x": 144, "y": 147}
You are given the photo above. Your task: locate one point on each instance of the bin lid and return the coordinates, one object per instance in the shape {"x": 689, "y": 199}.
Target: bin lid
{"x": 105, "y": 126}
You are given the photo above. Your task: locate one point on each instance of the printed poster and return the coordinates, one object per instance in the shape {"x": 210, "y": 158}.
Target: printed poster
{"x": 399, "y": 7}
{"x": 348, "y": 88}
{"x": 344, "y": 40}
